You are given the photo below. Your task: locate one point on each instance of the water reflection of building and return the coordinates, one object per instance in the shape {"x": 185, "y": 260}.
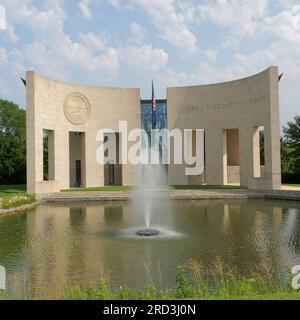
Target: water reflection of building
{"x": 80, "y": 243}
{"x": 269, "y": 239}
{"x": 113, "y": 214}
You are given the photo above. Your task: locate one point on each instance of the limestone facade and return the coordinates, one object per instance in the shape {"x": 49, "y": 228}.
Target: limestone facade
{"x": 240, "y": 106}
{"x": 229, "y": 112}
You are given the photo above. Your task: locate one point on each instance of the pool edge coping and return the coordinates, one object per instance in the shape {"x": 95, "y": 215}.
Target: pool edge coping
{"x": 105, "y": 196}
{"x": 22, "y": 208}
{"x": 213, "y": 194}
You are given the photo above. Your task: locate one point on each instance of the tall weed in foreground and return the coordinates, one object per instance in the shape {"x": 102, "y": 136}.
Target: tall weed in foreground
{"x": 193, "y": 280}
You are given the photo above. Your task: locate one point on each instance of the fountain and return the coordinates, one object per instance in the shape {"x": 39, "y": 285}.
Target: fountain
{"x": 151, "y": 171}
{"x": 152, "y": 176}
{"x": 147, "y": 232}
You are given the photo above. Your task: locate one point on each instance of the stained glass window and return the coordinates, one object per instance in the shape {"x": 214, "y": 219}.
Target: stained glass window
{"x": 146, "y": 120}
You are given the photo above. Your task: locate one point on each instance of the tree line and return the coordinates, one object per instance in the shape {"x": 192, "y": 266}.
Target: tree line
{"x": 13, "y": 146}
{"x": 12, "y": 143}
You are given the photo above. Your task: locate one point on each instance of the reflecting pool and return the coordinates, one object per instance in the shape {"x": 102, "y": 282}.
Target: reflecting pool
{"x": 65, "y": 244}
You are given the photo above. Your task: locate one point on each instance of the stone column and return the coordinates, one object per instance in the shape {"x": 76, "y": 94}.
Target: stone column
{"x": 272, "y": 134}
{"x": 246, "y": 155}
{"x": 256, "y": 153}
{"x": 30, "y": 133}
{"x": 214, "y": 156}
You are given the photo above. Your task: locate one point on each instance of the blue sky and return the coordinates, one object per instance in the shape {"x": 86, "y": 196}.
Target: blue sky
{"x": 129, "y": 42}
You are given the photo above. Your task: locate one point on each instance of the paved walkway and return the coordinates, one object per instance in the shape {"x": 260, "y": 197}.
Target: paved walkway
{"x": 173, "y": 194}
{"x": 293, "y": 188}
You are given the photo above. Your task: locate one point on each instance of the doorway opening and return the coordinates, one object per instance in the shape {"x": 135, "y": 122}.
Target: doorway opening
{"x": 48, "y": 155}
{"x": 77, "y": 159}
{"x": 112, "y": 167}
{"x": 258, "y": 151}
{"x": 231, "y": 157}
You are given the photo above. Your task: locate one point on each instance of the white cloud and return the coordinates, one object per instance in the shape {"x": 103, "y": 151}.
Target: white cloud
{"x": 84, "y": 6}
{"x": 115, "y": 3}
{"x": 5, "y": 90}
{"x": 93, "y": 41}
{"x": 11, "y": 34}
{"x": 53, "y": 52}
{"x": 240, "y": 66}
{"x": 188, "y": 10}
{"x": 47, "y": 20}
{"x": 273, "y": 29}
{"x": 170, "y": 23}
{"x": 38, "y": 56}
{"x": 80, "y": 57}
{"x": 211, "y": 55}
{"x": 2, "y": 18}
{"x": 242, "y": 17}
{"x": 106, "y": 64}
{"x": 286, "y": 24}
{"x": 17, "y": 66}
{"x": 286, "y": 3}
{"x": 3, "y": 56}
{"x": 144, "y": 58}
{"x": 138, "y": 32}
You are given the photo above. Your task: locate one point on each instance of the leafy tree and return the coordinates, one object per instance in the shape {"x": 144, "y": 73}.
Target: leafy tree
{"x": 291, "y": 140}
{"x": 288, "y": 161}
{"x": 12, "y": 143}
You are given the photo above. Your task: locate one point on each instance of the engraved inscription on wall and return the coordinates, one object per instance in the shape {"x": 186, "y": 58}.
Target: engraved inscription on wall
{"x": 77, "y": 108}
{"x": 224, "y": 106}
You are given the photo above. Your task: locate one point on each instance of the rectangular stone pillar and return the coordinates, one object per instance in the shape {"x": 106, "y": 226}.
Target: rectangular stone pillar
{"x": 256, "y": 153}
{"x": 214, "y": 154}
{"x": 246, "y": 155}
{"x": 94, "y": 171}
{"x": 30, "y": 133}
{"x": 225, "y": 175}
{"x": 272, "y": 134}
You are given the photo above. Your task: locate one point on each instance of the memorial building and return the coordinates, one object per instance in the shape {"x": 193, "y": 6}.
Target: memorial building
{"x": 239, "y": 119}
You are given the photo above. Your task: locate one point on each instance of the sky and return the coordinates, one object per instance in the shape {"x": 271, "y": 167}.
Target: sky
{"x": 126, "y": 43}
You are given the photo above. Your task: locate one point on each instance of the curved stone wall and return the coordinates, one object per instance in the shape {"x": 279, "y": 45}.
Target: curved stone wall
{"x": 65, "y": 108}
{"x": 231, "y": 109}
{"x": 243, "y": 104}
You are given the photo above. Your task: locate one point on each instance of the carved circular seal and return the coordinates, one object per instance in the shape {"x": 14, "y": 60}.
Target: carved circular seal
{"x": 77, "y": 108}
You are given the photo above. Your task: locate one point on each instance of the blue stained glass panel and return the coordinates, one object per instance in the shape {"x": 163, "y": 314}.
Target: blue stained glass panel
{"x": 146, "y": 109}
{"x": 161, "y": 120}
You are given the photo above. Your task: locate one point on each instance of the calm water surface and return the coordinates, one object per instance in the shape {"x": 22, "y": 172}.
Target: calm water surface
{"x": 68, "y": 244}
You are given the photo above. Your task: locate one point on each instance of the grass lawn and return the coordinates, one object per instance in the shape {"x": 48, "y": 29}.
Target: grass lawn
{"x": 107, "y": 188}
{"x": 6, "y": 190}
{"x": 203, "y": 186}
{"x": 12, "y": 196}
{"x": 175, "y": 187}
